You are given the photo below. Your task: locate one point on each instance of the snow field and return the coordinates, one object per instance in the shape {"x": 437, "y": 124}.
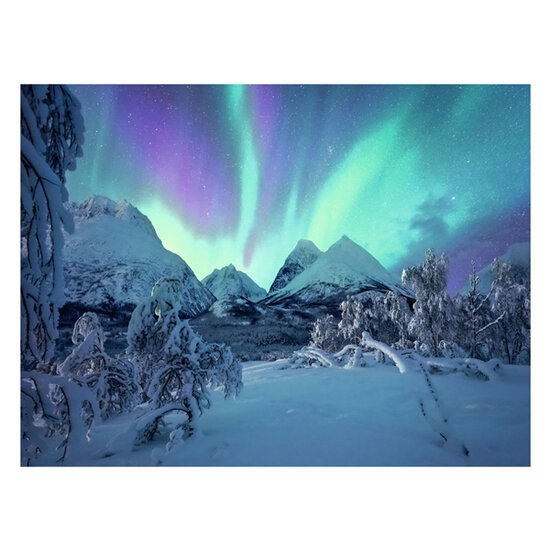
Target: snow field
{"x": 345, "y": 417}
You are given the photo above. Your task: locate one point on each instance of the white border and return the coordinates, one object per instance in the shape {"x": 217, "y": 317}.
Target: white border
{"x": 282, "y": 42}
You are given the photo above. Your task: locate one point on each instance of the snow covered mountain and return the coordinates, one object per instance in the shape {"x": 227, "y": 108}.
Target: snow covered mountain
{"x": 114, "y": 257}
{"x": 518, "y": 254}
{"x": 229, "y": 281}
{"x": 303, "y": 255}
{"x": 345, "y": 268}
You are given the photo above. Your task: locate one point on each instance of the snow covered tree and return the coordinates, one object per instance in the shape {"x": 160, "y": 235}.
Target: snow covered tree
{"x": 51, "y": 137}
{"x": 57, "y": 416}
{"x": 354, "y": 320}
{"x": 433, "y": 318}
{"x": 366, "y": 313}
{"x": 474, "y": 319}
{"x": 512, "y": 303}
{"x": 399, "y": 312}
{"x": 177, "y": 367}
{"x": 379, "y": 323}
{"x": 325, "y": 334}
{"x": 114, "y": 380}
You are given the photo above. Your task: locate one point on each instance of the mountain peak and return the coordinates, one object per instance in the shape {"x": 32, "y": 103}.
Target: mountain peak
{"x": 345, "y": 241}
{"x": 114, "y": 257}
{"x": 230, "y": 282}
{"x": 344, "y": 267}
{"x": 98, "y": 205}
{"x": 305, "y": 243}
{"x": 303, "y": 255}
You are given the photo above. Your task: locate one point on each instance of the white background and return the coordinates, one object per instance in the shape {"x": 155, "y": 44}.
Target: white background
{"x": 276, "y": 42}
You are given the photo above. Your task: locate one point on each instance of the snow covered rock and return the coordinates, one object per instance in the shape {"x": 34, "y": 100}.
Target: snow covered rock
{"x": 229, "y": 281}
{"x": 303, "y": 255}
{"x": 114, "y": 257}
{"x": 345, "y": 268}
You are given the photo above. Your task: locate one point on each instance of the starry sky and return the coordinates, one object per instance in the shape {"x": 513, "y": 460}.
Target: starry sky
{"x": 237, "y": 174}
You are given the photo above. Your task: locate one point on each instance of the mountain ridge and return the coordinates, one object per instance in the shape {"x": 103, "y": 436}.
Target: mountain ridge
{"x": 229, "y": 281}
{"x": 302, "y": 256}
{"x": 344, "y": 268}
{"x": 115, "y": 256}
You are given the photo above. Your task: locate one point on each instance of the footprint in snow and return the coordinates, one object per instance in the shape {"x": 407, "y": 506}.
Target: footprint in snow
{"x": 219, "y": 449}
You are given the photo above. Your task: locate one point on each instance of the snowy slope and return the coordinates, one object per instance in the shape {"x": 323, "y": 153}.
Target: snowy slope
{"x": 344, "y": 268}
{"x": 114, "y": 257}
{"x": 518, "y": 254}
{"x": 304, "y": 254}
{"x": 229, "y": 281}
{"x": 344, "y": 417}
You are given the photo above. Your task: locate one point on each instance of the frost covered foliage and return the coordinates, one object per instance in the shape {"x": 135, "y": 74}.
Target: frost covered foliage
{"x": 385, "y": 316}
{"x": 433, "y": 318}
{"x": 348, "y": 357}
{"x": 473, "y": 325}
{"x": 399, "y": 313}
{"x": 475, "y": 319}
{"x": 55, "y": 412}
{"x": 354, "y": 320}
{"x": 511, "y": 304}
{"x": 59, "y": 409}
{"x": 368, "y": 313}
{"x": 51, "y": 137}
{"x": 177, "y": 367}
{"x": 371, "y": 351}
{"x": 114, "y": 380}
{"x": 325, "y": 335}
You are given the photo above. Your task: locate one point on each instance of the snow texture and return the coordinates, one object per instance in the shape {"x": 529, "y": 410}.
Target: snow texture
{"x": 114, "y": 257}
{"x": 229, "y": 281}
{"x": 304, "y": 254}
{"x": 345, "y": 268}
{"x": 368, "y": 416}
{"x": 51, "y": 136}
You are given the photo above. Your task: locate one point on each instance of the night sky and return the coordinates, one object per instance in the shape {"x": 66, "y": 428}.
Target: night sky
{"x": 237, "y": 174}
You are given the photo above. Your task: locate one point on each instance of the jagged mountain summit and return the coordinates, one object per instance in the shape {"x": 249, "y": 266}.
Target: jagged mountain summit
{"x": 230, "y": 282}
{"x": 114, "y": 257}
{"x": 303, "y": 255}
{"x": 345, "y": 268}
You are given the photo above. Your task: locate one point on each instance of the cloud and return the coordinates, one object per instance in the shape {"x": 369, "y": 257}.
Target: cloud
{"x": 429, "y": 221}
{"x": 428, "y": 228}
{"x": 479, "y": 239}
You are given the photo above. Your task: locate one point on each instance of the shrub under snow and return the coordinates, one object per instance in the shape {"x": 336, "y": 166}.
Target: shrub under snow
{"x": 177, "y": 368}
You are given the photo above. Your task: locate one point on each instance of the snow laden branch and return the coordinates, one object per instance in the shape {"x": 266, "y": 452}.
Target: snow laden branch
{"x": 51, "y": 138}
{"x": 57, "y": 415}
{"x": 368, "y": 342}
{"x": 417, "y": 370}
{"x": 59, "y": 410}
{"x": 177, "y": 369}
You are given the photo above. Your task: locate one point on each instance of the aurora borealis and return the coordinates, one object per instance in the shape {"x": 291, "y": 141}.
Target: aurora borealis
{"x": 237, "y": 174}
